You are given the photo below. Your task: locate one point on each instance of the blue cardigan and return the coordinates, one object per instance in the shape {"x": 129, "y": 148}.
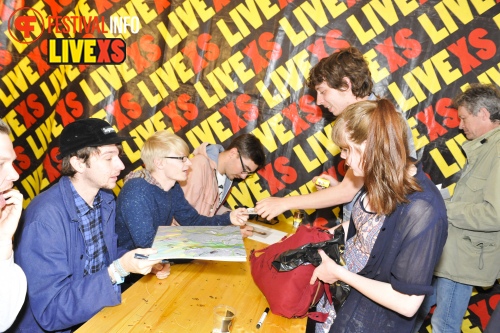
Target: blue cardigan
{"x": 405, "y": 253}
{"x": 142, "y": 207}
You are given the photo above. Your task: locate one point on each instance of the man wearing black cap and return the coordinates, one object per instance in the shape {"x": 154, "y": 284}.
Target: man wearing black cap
{"x": 68, "y": 246}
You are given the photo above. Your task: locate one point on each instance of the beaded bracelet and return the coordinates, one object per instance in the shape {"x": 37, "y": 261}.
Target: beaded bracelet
{"x": 119, "y": 268}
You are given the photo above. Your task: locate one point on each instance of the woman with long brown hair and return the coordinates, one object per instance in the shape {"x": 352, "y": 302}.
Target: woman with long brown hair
{"x": 397, "y": 229}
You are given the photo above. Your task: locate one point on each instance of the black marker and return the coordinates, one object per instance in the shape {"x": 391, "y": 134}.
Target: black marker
{"x": 262, "y": 318}
{"x": 144, "y": 256}
{"x": 140, "y": 256}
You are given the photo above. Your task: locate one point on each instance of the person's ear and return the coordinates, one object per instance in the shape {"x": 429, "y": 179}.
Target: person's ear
{"x": 159, "y": 163}
{"x": 348, "y": 82}
{"x": 77, "y": 164}
{"x": 363, "y": 146}
{"x": 484, "y": 114}
{"x": 234, "y": 152}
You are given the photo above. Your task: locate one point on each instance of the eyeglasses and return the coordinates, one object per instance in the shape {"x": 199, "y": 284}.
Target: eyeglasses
{"x": 182, "y": 158}
{"x": 245, "y": 169}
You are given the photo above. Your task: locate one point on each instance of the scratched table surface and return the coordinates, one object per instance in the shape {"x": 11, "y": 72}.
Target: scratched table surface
{"x": 184, "y": 302}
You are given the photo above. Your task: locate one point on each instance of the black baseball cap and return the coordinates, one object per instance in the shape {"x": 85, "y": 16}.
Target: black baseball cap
{"x": 90, "y": 132}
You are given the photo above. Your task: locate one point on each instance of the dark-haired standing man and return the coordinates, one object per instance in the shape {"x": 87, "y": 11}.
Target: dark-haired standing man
{"x": 341, "y": 79}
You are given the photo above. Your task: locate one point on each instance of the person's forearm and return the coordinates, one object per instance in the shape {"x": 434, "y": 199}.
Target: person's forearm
{"x": 331, "y": 196}
{"x": 328, "y": 197}
{"x": 5, "y": 249}
{"x": 383, "y": 294}
{"x": 12, "y": 292}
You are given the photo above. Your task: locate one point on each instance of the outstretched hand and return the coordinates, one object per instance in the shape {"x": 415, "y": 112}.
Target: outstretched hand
{"x": 139, "y": 266}
{"x": 271, "y": 207}
{"x": 239, "y": 216}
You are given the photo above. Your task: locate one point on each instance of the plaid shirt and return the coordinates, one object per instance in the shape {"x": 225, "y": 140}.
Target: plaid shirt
{"x": 91, "y": 228}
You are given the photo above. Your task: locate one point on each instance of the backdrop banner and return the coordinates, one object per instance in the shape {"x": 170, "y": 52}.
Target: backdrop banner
{"x": 210, "y": 70}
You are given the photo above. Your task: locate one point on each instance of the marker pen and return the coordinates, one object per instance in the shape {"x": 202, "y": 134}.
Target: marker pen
{"x": 262, "y": 318}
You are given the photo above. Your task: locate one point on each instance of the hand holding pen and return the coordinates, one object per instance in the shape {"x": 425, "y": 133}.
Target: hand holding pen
{"x": 161, "y": 270}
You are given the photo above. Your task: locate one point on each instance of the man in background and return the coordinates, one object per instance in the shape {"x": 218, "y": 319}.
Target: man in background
{"x": 471, "y": 255}
{"x": 214, "y": 169}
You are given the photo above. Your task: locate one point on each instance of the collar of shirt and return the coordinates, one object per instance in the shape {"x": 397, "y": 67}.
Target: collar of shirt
{"x": 146, "y": 175}
{"x": 82, "y": 207}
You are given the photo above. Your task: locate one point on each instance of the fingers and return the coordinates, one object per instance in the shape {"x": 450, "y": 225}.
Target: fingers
{"x": 323, "y": 255}
{"x": 146, "y": 251}
{"x": 13, "y": 195}
{"x": 157, "y": 267}
{"x": 318, "y": 187}
{"x": 10, "y": 212}
{"x": 239, "y": 216}
{"x": 261, "y": 208}
{"x": 163, "y": 272}
{"x": 246, "y": 231}
{"x": 161, "y": 275}
{"x": 13, "y": 202}
{"x": 242, "y": 212}
{"x": 314, "y": 277}
{"x": 270, "y": 207}
{"x": 147, "y": 266}
{"x": 316, "y": 273}
{"x": 243, "y": 217}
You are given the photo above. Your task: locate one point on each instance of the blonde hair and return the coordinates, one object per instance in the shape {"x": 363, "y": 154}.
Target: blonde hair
{"x": 162, "y": 144}
{"x": 386, "y": 161}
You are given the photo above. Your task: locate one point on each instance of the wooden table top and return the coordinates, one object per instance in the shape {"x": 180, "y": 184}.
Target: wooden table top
{"x": 184, "y": 301}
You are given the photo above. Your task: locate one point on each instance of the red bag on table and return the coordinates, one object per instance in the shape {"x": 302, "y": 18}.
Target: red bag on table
{"x": 289, "y": 294}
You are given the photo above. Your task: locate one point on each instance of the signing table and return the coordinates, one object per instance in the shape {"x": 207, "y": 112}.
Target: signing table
{"x": 184, "y": 301}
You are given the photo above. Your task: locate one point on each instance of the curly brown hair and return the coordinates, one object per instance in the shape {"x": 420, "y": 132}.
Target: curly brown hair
{"x": 345, "y": 63}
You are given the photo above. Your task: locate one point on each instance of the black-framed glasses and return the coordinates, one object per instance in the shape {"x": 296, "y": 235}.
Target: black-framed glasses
{"x": 245, "y": 169}
{"x": 182, "y": 158}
